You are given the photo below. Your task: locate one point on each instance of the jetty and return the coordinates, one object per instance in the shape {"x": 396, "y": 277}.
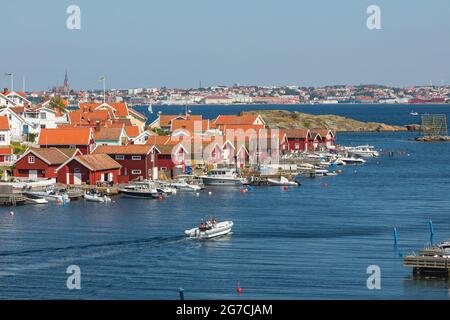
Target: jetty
{"x": 430, "y": 261}
{"x": 10, "y": 197}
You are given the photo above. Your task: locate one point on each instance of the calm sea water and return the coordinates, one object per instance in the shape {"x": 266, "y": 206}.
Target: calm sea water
{"x": 311, "y": 242}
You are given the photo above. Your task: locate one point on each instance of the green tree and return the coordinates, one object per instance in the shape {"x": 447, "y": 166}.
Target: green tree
{"x": 58, "y": 103}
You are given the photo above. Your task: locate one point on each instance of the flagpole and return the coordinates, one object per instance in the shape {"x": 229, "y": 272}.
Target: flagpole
{"x": 11, "y": 75}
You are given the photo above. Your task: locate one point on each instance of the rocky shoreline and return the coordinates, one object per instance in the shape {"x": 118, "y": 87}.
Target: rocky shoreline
{"x": 296, "y": 120}
{"x": 433, "y": 139}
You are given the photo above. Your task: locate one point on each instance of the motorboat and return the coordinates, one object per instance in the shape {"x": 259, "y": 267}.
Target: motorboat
{"x": 75, "y": 193}
{"x": 34, "y": 199}
{"x": 353, "y": 160}
{"x": 49, "y": 195}
{"x": 320, "y": 172}
{"x": 362, "y": 151}
{"x": 282, "y": 182}
{"x": 95, "y": 197}
{"x": 165, "y": 188}
{"x": 223, "y": 177}
{"x": 414, "y": 113}
{"x": 210, "y": 229}
{"x": 182, "y": 184}
{"x": 141, "y": 190}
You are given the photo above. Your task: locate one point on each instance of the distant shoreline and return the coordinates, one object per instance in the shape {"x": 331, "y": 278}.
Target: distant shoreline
{"x": 294, "y": 104}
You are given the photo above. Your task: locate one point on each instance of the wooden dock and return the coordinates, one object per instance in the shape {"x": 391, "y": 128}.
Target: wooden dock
{"x": 429, "y": 261}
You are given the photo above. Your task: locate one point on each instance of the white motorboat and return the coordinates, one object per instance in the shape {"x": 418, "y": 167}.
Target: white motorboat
{"x": 210, "y": 229}
{"x": 95, "y": 197}
{"x": 353, "y": 160}
{"x": 321, "y": 172}
{"x": 282, "y": 182}
{"x": 141, "y": 190}
{"x": 182, "y": 185}
{"x": 34, "y": 199}
{"x": 165, "y": 188}
{"x": 362, "y": 151}
{"x": 223, "y": 177}
{"x": 414, "y": 113}
{"x": 50, "y": 195}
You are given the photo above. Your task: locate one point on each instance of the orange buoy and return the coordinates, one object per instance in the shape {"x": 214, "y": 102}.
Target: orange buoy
{"x": 285, "y": 188}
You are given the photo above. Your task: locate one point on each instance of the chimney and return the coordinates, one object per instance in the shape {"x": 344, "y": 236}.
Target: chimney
{"x": 97, "y": 125}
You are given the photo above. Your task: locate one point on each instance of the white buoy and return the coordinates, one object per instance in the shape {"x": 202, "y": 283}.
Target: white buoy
{"x": 11, "y": 213}
{"x": 197, "y": 194}
{"x": 210, "y": 193}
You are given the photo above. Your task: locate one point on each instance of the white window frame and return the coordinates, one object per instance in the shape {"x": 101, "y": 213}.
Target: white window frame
{"x": 136, "y": 158}
{"x": 31, "y": 159}
{"x": 136, "y": 172}
{"x": 119, "y": 157}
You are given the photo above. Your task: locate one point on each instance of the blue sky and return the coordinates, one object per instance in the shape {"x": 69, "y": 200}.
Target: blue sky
{"x": 176, "y": 43}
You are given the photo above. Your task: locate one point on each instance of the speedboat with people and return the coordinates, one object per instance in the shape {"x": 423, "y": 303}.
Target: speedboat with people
{"x": 210, "y": 229}
{"x": 223, "y": 177}
{"x": 141, "y": 190}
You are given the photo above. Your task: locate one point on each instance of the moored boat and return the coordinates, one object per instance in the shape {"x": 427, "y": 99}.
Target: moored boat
{"x": 223, "y": 177}
{"x": 141, "y": 190}
{"x": 282, "y": 182}
{"x": 95, "y": 197}
{"x": 353, "y": 160}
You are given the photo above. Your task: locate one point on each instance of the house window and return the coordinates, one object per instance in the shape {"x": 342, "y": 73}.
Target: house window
{"x": 76, "y": 170}
{"x": 120, "y": 157}
{"x": 2, "y": 138}
{"x": 163, "y": 169}
{"x": 136, "y": 172}
{"x": 31, "y": 159}
{"x": 73, "y": 147}
{"x": 42, "y": 126}
{"x": 136, "y": 158}
{"x": 43, "y": 116}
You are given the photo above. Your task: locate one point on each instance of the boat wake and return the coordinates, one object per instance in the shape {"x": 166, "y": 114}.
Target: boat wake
{"x": 148, "y": 241}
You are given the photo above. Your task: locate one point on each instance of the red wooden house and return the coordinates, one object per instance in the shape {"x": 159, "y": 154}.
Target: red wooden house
{"x": 298, "y": 139}
{"x": 137, "y": 161}
{"x": 171, "y": 159}
{"x": 67, "y": 137}
{"x": 42, "y": 162}
{"x": 323, "y": 139}
{"x": 89, "y": 169}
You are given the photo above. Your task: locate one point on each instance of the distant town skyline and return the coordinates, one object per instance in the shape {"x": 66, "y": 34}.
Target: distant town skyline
{"x": 177, "y": 44}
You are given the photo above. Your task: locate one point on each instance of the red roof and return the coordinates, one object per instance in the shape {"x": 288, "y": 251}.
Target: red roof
{"x": 4, "y": 123}
{"x": 192, "y": 126}
{"x": 120, "y": 109}
{"x": 129, "y": 149}
{"x": 6, "y": 151}
{"x": 132, "y": 131}
{"x": 98, "y": 162}
{"x": 248, "y": 119}
{"x": 65, "y": 136}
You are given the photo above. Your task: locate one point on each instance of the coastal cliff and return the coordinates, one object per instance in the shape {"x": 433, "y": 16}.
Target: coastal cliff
{"x": 295, "y": 120}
